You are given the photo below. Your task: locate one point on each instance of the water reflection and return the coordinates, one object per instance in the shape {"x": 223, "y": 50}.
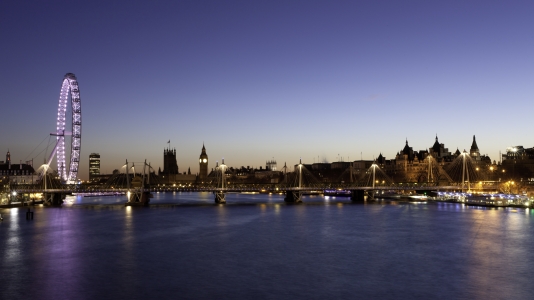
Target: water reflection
{"x": 13, "y": 244}
{"x": 222, "y": 220}
{"x": 209, "y": 251}
{"x": 499, "y": 244}
{"x": 277, "y": 209}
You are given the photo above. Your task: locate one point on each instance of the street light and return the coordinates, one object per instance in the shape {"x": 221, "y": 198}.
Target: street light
{"x": 510, "y": 185}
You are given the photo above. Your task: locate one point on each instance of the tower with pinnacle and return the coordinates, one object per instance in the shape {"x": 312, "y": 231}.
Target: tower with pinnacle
{"x": 203, "y": 164}
{"x": 474, "y": 151}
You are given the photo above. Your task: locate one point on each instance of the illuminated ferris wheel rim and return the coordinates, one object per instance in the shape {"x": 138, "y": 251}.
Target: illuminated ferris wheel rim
{"x": 69, "y": 86}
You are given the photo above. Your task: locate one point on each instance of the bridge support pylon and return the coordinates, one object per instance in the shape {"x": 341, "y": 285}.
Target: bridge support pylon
{"x": 220, "y": 197}
{"x": 138, "y": 198}
{"x": 357, "y": 195}
{"x": 293, "y": 197}
{"x": 140, "y": 194}
{"x": 53, "y": 199}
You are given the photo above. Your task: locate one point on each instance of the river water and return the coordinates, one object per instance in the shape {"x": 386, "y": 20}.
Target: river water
{"x": 256, "y": 246}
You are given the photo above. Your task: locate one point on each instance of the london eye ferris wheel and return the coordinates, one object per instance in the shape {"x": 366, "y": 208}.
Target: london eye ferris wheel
{"x": 68, "y": 87}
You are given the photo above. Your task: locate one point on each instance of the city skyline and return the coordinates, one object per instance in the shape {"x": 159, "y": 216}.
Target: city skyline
{"x": 257, "y": 80}
{"x": 213, "y": 162}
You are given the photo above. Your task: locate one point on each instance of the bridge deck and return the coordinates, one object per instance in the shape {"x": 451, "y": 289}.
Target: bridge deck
{"x": 76, "y": 190}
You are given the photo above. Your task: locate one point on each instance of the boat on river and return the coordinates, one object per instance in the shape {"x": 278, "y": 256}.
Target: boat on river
{"x": 487, "y": 200}
{"x": 337, "y": 193}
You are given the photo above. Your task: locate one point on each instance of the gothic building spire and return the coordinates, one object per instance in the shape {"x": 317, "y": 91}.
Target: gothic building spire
{"x": 475, "y": 153}
{"x": 474, "y": 145}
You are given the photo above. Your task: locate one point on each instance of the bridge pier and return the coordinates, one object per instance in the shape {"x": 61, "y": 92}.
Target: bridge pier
{"x": 220, "y": 197}
{"x": 293, "y": 197}
{"x": 357, "y": 195}
{"x": 138, "y": 198}
{"x": 53, "y": 199}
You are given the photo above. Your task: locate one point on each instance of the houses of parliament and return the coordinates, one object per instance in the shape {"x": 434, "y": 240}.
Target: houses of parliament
{"x": 171, "y": 174}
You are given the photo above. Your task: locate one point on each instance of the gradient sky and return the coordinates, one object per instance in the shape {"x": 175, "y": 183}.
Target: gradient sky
{"x": 255, "y": 80}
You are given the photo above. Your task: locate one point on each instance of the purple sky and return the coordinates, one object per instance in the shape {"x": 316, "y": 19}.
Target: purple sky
{"x": 255, "y": 80}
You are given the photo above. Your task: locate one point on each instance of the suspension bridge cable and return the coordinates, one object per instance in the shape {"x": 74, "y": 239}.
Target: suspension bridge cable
{"x": 26, "y": 158}
{"x": 47, "y": 149}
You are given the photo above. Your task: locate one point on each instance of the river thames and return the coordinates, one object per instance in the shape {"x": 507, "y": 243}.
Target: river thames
{"x": 256, "y": 246}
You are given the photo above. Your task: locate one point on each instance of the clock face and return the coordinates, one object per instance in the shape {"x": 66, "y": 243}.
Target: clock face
{"x": 200, "y": 160}
{"x": 205, "y": 160}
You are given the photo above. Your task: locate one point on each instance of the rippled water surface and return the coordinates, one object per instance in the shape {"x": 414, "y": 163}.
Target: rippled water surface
{"x": 258, "y": 247}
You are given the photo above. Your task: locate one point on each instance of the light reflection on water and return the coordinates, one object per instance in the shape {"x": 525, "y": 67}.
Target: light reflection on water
{"x": 13, "y": 239}
{"x": 266, "y": 249}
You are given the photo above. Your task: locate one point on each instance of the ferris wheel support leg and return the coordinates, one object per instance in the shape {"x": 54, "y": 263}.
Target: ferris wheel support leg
{"x": 52, "y": 154}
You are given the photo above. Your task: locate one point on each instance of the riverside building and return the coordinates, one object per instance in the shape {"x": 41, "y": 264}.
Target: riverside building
{"x": 17, "y": 173}
{"x": 94, "y": 167}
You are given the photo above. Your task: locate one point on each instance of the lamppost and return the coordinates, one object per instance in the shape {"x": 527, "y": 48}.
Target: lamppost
{"x": 513, "y": 167}
{"x": 509, "y": 185}
{"x": 478, "y": 177}
{"x": 465, "y": 172}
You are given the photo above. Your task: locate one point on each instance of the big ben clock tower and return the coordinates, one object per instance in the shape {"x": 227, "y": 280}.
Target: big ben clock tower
{"x": 203, "y": 162}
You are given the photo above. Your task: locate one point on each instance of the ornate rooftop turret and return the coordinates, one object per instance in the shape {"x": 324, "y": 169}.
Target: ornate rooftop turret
{"x": 380, "y": 159}
{"x": 436, "y": 146}
{"x": 406, "y": 149}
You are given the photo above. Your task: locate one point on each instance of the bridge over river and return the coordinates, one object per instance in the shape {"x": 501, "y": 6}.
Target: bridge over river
{"x": 293, "y": 194}
{"x": 139, "y": 195}
{"x": 138, "y": 187}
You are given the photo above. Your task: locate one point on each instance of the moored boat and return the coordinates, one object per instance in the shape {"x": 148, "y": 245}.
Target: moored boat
{"x": 337, "y": 193}
{"x": 486, "y": 200}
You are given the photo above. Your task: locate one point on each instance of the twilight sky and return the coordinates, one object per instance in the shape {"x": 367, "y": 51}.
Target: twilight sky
{"x": 255, "y": 80}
